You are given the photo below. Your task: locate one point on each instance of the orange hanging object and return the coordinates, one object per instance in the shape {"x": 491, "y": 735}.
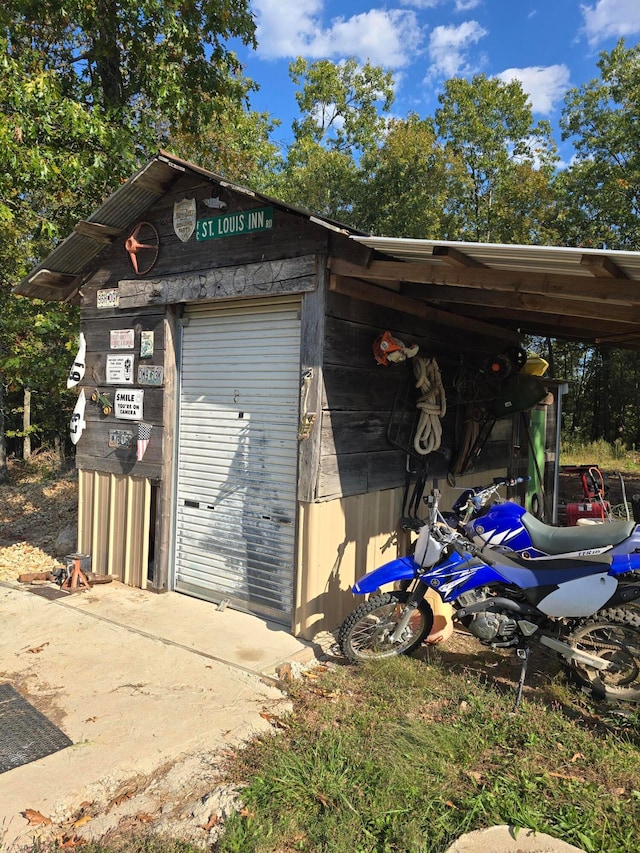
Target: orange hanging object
{"x": 388, "y": 349}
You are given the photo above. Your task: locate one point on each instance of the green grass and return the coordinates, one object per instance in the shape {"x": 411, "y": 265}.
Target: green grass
{"x": 403, "y": 756}
{"x": 408, "y": 754}
{"x": 609, "y": 457}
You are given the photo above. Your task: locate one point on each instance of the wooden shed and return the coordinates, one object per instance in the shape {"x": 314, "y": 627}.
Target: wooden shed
{"x": 240, "y": 441}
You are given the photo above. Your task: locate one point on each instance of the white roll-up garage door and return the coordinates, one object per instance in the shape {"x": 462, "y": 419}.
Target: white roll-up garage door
{"x": 237, "y": 455}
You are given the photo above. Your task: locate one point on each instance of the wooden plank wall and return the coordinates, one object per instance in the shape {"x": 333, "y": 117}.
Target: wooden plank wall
{"x": 362, "y": 407}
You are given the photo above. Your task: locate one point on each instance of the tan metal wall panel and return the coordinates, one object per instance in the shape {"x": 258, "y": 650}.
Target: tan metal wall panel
{"x": 117, "y": 525}
{"x": 340, "y": 540}
{"x": 113, "y": 524}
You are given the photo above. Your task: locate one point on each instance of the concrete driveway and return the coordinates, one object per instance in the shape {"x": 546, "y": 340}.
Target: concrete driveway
{"x": 151, "y": 690}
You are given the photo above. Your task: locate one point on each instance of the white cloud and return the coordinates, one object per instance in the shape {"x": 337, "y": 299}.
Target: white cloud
{"x": 545, "y": 85}
{"x": 290, "y": 28}
{"x": 610, "y": 19}
{"x": 467, "y": 5}
{"x": 448, "y": 48}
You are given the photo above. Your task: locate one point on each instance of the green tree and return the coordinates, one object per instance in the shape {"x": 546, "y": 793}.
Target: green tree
{"x": 602, "y": 187}
{"x": 86, "y": 92}
{"x": 404, "y": 183}
{"x": 160, "y": 66}
{"x": 508, "y": 160}
{"x": 342, "y": 110}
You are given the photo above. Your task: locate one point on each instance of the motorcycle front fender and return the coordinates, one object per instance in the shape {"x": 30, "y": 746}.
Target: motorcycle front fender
{"x": 402, "y": 569}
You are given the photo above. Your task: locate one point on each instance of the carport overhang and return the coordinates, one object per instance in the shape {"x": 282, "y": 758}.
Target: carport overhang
{"x": 589, "y": 295}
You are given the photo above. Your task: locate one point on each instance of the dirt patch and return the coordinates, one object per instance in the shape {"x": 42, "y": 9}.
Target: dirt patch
{"x": 33, "y": 512}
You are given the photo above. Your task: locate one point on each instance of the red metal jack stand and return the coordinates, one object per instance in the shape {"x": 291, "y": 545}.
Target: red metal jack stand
{"x": 76, "y": 578}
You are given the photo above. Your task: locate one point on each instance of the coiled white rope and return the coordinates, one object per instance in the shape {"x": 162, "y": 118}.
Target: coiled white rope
{"x": 432, "y": 405}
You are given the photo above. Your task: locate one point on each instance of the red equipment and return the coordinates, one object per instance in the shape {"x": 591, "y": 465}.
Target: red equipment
{"x": 593, "y": 506}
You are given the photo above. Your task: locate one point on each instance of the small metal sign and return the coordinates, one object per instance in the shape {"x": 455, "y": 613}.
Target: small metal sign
{"x": 119, "y": 370}
{"x": 120, "y": 438}
{"x": 128, "y": 404}
{"x": 232, "y": 224}
{"x": 150, "y": 374}
{"x": 108, "y": 298}
{"x": 122, "y": 338}
{"x": 146, "y": 344}
{"x": 184, "y": 218}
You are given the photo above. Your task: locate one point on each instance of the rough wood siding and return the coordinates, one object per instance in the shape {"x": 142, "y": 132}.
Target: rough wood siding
{"x": 362, "y": 412}
{"x": 93, "y": 451}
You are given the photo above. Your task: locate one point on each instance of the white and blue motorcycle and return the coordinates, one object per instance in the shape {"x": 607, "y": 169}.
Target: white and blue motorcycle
{"x": 512, "y": 581}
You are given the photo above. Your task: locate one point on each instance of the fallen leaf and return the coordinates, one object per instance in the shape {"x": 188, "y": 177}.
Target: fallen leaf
{"x": 73, "y": 841}
{"x": 214, "y": 820}
{"x": 91, "y": 719}
{"x": 566, "y": 776}
{"x": 451, "y": 805}
{"x": 246, "y": 813}
{"x": 576, "y": 756}
{"x": 475, "y": 775}
{"x": 37, "y": 649}
{"x": 35, "y": 818}
{"x": 273, "y": 720}
{"x": 82, "y": 820}
{"x": 144, "y": 817}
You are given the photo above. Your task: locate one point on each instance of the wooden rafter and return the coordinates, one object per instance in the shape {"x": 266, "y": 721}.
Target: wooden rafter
{"x": 585, "y": 288}
{"x": 602, "y": 267}
{"x": 525, "y": 301}
{"x": 455, "y": 258}
{"x": 357, "y": 289}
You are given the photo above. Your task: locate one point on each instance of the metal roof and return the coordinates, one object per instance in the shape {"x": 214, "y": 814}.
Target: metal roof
{"x": 572, "y": 293}
{"x": 60, "y": 275}
{"x": 505, "y": 256}
{"x": 585, "y": 294}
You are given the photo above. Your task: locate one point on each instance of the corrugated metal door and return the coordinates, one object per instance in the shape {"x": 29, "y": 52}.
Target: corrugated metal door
{"x": 237, "y": 455}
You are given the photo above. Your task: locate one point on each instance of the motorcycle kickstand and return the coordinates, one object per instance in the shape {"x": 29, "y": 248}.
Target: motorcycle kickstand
{"x": 523, "y": 654}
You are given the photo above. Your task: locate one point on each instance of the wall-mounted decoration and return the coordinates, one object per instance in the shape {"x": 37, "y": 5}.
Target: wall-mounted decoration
{"x": 78, "y": 423}
{"x": 233, "y": 224}
{"x": 142, "y": 247}
{"x": 122, "y": 338}
{"x": 108, "y": 298}
{"x": 128, "y": 404}
{"x": 119, "y": 370}
{"x": 184, "y": 218}
{"x": 77, "y": 368}
{"x": 144, "y": 434}
{"x": 150, "y": 374}
{"x": 215, "y": 203}
{"x": 102, "y": 400}
{"x": 120, "y": 438}
{"x": 146, "y": 344}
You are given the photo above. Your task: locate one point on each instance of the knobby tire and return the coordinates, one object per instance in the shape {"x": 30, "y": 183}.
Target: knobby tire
{"x": 365, "y": 633}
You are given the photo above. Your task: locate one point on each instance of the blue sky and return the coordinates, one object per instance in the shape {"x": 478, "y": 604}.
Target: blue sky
{"x": 549, "y": 45}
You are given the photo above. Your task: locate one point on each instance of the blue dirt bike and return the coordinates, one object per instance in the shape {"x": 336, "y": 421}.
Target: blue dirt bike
{"x": 579, "y": 604}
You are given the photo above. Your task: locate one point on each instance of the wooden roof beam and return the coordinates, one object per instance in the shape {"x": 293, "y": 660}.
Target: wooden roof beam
{"x": 357, "y": 289}
{"x": 513, "y": 281}
{"x": 455, "y": 258}
{"x": 525, "y": 301}
{"x": 602, "y": 267}
{"x": 97, "y": 231}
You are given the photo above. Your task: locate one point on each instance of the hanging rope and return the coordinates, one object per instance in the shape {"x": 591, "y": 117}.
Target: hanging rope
{"x": 432, "y": 405}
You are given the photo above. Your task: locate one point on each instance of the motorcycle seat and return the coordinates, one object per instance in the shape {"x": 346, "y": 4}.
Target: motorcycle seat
{"x": 563, "y": 540}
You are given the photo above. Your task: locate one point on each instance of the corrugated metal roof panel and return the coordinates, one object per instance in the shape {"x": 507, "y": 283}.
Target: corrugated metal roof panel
{"x": 557, "y": 260}
{"x": 121, "y": 211}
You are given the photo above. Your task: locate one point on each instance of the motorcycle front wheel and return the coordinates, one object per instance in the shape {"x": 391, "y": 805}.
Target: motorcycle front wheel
{"x": 366, "y": 633}
{"x": 615, "y": 636}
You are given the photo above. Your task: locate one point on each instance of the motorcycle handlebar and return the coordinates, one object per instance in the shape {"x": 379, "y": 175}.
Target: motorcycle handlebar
{"x": 510, "y": 481}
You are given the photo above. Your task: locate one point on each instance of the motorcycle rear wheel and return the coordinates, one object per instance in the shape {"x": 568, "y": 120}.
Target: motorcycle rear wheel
{"x": 613, "y": 635}
{"x": 366, "y": 632}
